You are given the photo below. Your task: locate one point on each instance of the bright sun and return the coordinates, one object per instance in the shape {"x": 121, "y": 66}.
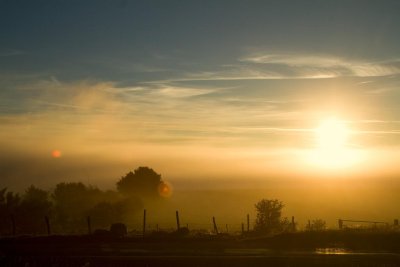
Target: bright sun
{"x": 333, "y": 148}
{"x": 332, "y": 135}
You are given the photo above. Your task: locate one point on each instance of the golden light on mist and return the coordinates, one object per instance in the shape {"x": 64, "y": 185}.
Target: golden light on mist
{"x": 333, "y": 150}
{"x": 56, "y": 153}
{"x": 164, "y": 189}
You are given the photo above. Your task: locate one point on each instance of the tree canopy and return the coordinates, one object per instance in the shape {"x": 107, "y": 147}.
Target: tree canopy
{"x": 144, "y": 182}
{"x": 269, "y": 213}
{"x": 68, "y": 205}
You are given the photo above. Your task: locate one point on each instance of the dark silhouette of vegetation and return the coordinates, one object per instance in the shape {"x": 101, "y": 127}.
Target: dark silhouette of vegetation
{"x": 103, "y": 214}
{"x": 78, "y": 208}
{"x": 118, "y": 229}
{"x": 269, "y": 212}
{"x": 316, "y": 225}
{"x": 144, "y": 182}
{"x": 74, "y": 201}
{"x": 182, "y": 231}
{"x": 67, "y": 208}
{"x": 35, "y": 205}
{"x": 9, "y": 206}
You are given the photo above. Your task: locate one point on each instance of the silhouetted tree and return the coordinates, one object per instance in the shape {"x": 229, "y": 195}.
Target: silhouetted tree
{"x": 13, "y": 201}
{"x": 4, "y": 220}
{"x": 71, "y": 202}
{"x": 269, "y": 213}
{"x": 9, "y": 207}
{"x": 105, "y": 213}
{"x": 144, "y": 182}
{"x": 35, "y": 205}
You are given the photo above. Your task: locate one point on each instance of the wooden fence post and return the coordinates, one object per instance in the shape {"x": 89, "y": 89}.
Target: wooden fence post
{"x": 248, "y": 223}
{"x": 340, "y": 222}
{"x": 178, "y": 225}
{"x": 215, "y": 225}
{"x": 89, "y": 225}
{"x": 46, "y": 219}
{"x": 14, "y": 227}
{"x": 293, "y": 225}
{"x": 144, "y": 222}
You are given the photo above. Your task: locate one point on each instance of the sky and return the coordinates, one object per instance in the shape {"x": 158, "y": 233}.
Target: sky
{"x": 208, "y": 93}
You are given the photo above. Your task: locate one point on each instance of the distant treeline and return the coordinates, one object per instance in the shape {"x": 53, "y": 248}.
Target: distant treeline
{"x": 75, "y": 208}
{"x": 68, "y": 206}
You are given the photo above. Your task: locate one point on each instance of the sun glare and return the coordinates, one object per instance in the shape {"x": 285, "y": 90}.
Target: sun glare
{"x": 332, "y": 145}
{"x": 332, "y": 135}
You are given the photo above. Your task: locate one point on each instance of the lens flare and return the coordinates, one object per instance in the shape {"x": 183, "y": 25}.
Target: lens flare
{"x": 56, "y": 153}
{"x": 164, "y": 189}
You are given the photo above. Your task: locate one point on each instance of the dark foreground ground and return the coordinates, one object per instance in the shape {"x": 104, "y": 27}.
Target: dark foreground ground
{"x": 303, "y": 249}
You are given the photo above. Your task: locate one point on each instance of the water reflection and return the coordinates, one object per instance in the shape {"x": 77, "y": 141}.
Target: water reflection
{"x": 332, "y": 251}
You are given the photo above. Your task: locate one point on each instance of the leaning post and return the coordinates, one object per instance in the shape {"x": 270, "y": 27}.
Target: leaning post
{"x": 215, "y": 225}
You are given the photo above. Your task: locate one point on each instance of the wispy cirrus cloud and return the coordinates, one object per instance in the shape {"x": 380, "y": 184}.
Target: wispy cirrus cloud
{"x": 294, "y": 60}
{"x": 171, "y": 111}
{"x": 147, "y": 112}
{"x": 284, "y": 66}
{"x": 337, "y": 66}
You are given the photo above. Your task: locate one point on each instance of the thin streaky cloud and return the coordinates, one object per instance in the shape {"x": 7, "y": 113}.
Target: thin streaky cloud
{"x": 365, "y": 82}
{"x": 166, "y": 89}
{"x": 344, "y": 67}
{"x": 294, "y": 60}
{"x": 276, "y": 129}
{"x": 59, "y": 104}
{"x": 234, "y": 77}
{"x": 269, "y": 67}
{"x": 181, "y": 92}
